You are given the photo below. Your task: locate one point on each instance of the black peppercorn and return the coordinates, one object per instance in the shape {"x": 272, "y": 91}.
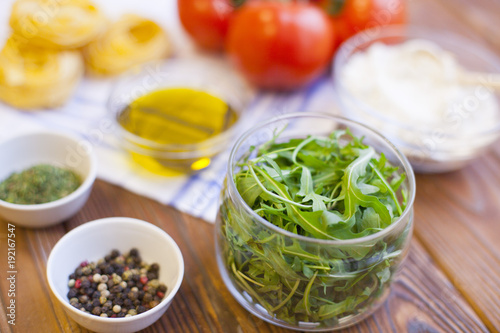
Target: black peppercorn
{"x": 72, "y": 293}
{"x": 116, "y": 289}
{"x": 147, "y": 298}
{"x": 133, "y": 295}
{"x": 96, "y": 302}
{"x": 114, "y": 254}
{"x": 141, "y": 309}
{"x": 97, "y": 311}
{"x": 127, "y": 302}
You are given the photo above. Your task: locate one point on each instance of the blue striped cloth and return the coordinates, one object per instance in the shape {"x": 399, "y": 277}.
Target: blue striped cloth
{"x": 86, "y": 116}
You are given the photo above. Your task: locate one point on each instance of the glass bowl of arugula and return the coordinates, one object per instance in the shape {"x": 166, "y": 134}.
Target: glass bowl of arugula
{"x": 315, "y": 220}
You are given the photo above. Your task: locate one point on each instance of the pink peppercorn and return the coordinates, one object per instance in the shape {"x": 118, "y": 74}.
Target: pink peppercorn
{"x": 143, "y": 279}
{"x": 78, "y": 284}
{"x": 84, "y": 263}
{"x": 160, "y": 294}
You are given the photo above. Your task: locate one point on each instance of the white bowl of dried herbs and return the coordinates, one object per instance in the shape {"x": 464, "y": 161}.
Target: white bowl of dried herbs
{"x": 48, "y": 178}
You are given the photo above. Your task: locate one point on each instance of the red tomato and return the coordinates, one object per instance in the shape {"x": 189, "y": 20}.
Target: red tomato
{"x": 352, "y": 16}
{"x": 206, "y": 21}
{"x": 280, "y": 45}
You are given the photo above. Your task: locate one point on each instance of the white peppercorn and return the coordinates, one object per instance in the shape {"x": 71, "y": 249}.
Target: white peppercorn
{"x": 96, "y": 277}
{"x": 116, "y": 278}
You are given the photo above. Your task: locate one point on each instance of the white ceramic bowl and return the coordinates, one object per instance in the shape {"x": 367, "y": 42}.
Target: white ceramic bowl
{"x": 61, "y": 150}
{"x": 92, "y": 241}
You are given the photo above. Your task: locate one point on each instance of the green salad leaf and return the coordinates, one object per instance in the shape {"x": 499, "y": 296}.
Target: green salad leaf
{"x": 327, "y": 188}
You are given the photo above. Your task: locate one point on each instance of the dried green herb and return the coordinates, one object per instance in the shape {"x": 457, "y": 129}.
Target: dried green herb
{"x": 333, "y": 188}
{"x": 39, "y": 184}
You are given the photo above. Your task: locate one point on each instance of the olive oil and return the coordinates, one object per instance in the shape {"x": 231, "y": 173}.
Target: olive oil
{"x": 176, "y": 120}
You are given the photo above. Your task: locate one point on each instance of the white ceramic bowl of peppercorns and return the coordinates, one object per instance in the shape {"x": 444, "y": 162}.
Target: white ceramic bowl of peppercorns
{"x": 115, "y": 274}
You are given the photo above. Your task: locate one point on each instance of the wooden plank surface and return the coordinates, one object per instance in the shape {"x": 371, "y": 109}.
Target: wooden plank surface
{"x": 423, "y": 298}
{"x": 458, "y": 214}
{"x": 450, "y": 282}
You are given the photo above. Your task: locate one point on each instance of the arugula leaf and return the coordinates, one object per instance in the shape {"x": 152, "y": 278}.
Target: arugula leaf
{"x": 353, "y": 195}
{"x": 333, "y": 188}
{"x": 307, "y": 191}
{"x": 249, "y": 190}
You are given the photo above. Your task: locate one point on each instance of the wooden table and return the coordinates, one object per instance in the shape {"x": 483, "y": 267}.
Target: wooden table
{"x": 450, "y": 282}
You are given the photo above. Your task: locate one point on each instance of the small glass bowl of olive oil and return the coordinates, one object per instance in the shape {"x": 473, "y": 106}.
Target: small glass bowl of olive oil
{"x": 176, "y": 116}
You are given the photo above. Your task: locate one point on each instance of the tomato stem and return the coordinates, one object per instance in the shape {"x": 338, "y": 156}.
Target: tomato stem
{"x": 334, "y": 7}
{"x": 237, "y": 3}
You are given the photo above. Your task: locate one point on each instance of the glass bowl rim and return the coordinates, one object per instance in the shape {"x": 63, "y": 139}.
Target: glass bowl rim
{"x": 371, "y": 35}
{"x": 402, "y": 158}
